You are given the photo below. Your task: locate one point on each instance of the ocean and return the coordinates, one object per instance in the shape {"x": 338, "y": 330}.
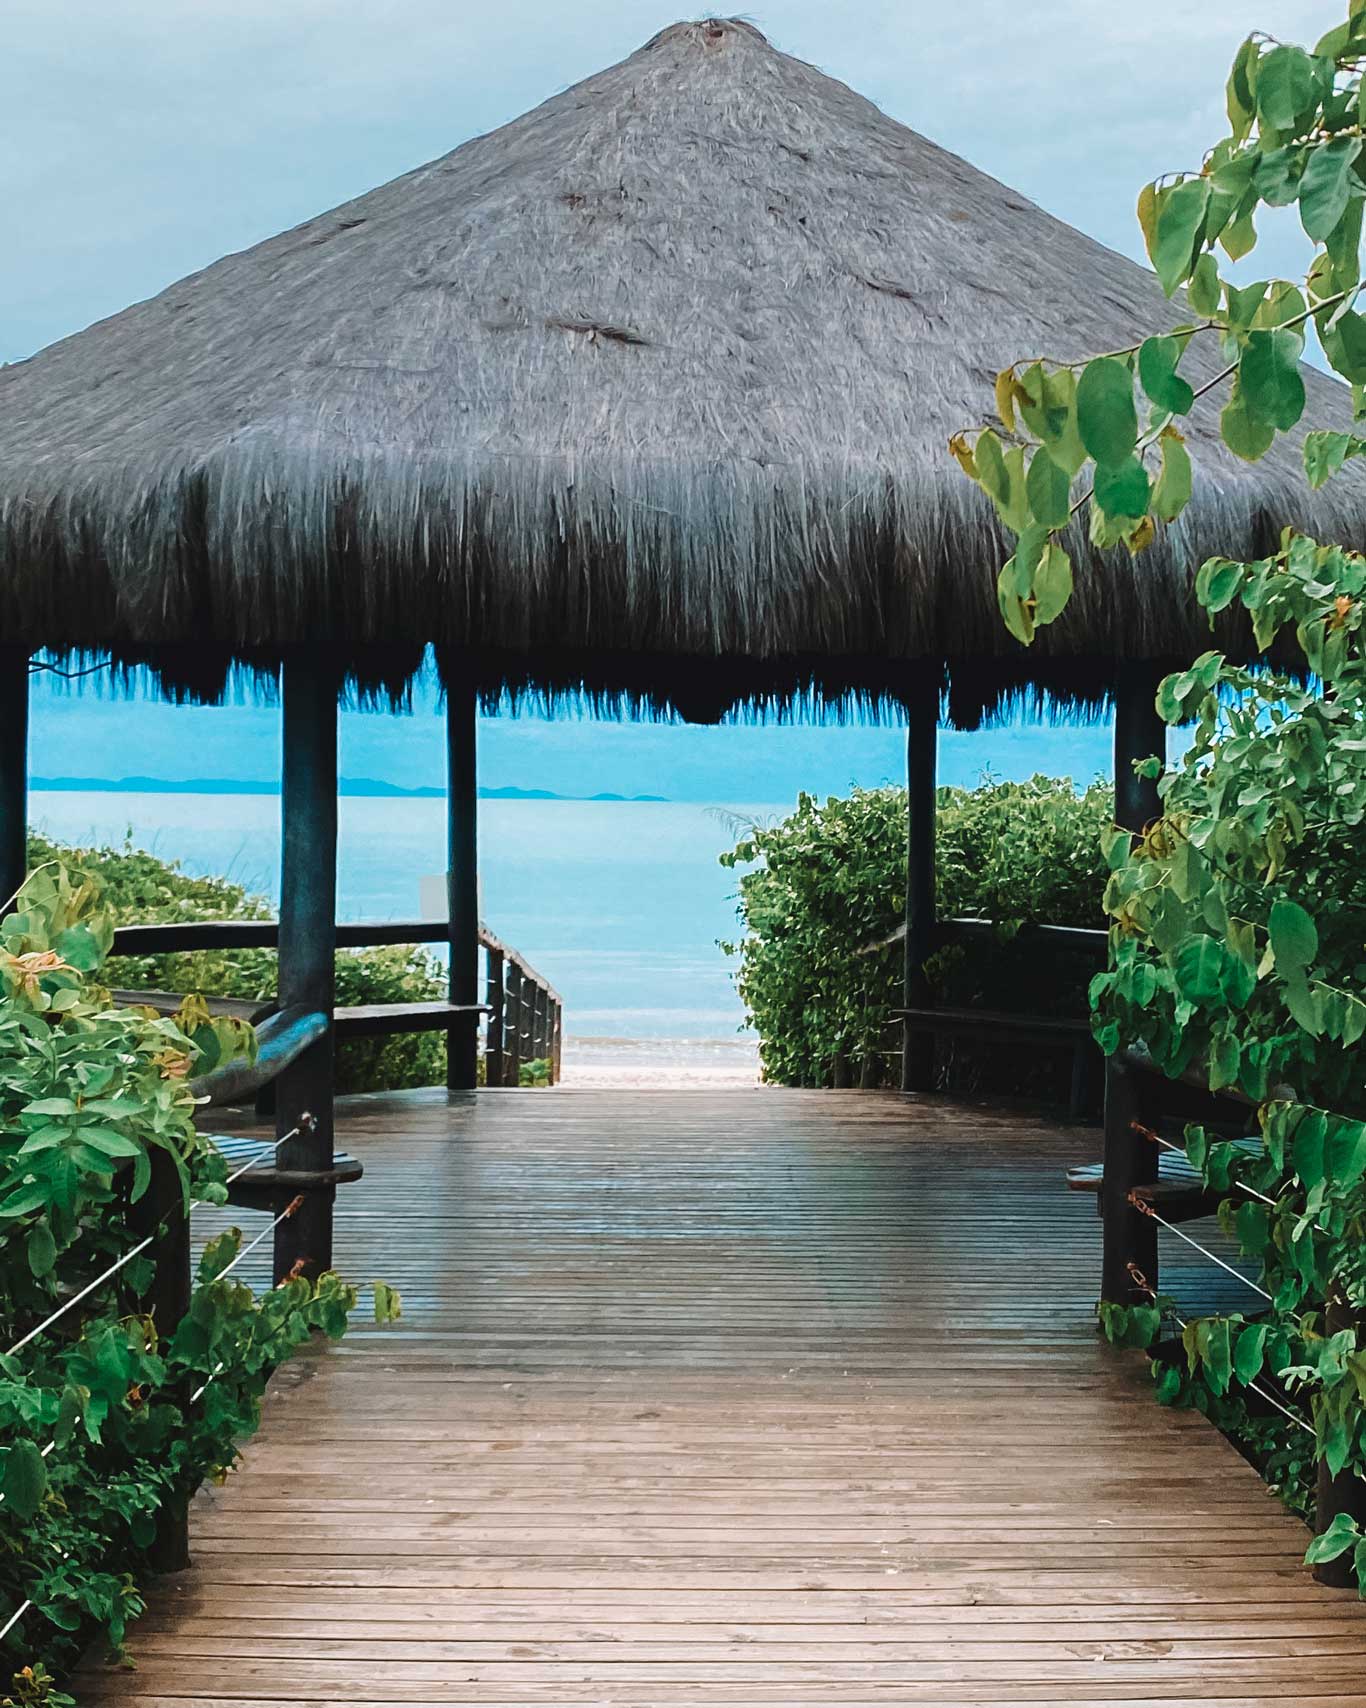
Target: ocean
{"x": 619, "y": 903}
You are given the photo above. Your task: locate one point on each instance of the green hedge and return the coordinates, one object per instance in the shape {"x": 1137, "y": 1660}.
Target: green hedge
{"x": 141, "y": 889}
{"x": 831, "y": 879}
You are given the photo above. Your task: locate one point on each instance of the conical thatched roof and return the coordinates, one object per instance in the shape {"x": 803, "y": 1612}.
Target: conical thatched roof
{"x": 648, "y": 390}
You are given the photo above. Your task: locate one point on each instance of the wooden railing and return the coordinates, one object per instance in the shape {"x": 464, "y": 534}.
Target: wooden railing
{"x": 524, "y": 1011}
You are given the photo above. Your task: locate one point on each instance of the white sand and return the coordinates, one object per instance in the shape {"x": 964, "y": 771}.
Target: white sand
{"x": 640, "y": 1063}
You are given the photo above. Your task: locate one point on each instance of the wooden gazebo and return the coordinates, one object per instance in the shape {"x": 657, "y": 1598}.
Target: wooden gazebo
{"x": 642, "y": 397}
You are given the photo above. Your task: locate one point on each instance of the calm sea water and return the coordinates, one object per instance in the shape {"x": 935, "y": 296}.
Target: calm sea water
{"x": 619, "y": 904}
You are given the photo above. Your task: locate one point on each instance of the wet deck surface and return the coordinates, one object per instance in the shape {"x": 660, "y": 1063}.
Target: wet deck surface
{"x": 731, "y": 1398}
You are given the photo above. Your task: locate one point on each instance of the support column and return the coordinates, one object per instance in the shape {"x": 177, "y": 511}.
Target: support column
{"x": 1139, "y": 733}
{"x": 308, "y": 938}
{"x": 13, "y": 771}
{"x": 462, "y": 881}
{"x": 1130, "y": 1161}
{"x": 922, "y": 743}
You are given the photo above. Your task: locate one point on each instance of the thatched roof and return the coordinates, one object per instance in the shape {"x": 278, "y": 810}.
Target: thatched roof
{"x": 648, "y": 390}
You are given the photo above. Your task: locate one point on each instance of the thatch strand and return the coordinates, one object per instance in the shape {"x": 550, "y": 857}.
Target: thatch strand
{"x": 648, "y": 391}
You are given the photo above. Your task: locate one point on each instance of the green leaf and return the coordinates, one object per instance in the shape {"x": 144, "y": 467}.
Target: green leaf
{"x": 1049, "y": 491}
{"x": 1269, "y": 374}
{"x": 1326, "y": 186}
{"x": 1052, "y": 583}
{"x": 1158, "y": 359}
{"x": 1106, "y": 417}
{"x": 1248, "y": 1353}
{"x": 1286, "y": 86}
{"x": 24, "y": 1481}
{"x": 1325, "y": 453}
{"x": 1123, "y": 489}
{"x": 1247, "y": 434}
{"x": 1340, "y": 1535}
{"x": 1205, "y": 291}
{"x": 1172, "y": 490}
{"x": 42, "y": 1249}
{"x": 1199, "y": 965}
{"x": 1180, "y": 221}
{"x": 1294, "y": 937}
{"x": 1307, "y": 1149}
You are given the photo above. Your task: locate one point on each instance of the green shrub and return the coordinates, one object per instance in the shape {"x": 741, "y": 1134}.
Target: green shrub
{"x": 140, "y": 889}
{"x": 831, "y": 879}
{"x": 108, "y": 1417}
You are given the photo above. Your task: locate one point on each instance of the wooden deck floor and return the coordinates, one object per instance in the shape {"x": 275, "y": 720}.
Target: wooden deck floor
{"x": 750, "y": 1398}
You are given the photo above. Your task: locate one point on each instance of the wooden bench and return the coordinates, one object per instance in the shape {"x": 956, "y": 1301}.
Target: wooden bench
{"x": 993, "y": 1024}
{"x": 383, "y": 1019}
{"x": 269, "y": 1187}
{"x": 1178, "y": 1194}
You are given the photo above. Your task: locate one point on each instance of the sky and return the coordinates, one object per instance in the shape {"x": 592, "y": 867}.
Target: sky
{"x": 142, "y": 139}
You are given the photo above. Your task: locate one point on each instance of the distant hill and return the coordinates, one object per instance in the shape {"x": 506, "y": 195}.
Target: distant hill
{"x": 345, "y": 786}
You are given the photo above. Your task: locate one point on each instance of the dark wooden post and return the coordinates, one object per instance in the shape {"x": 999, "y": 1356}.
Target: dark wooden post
{"x": 160, "y": 1212}
{"x": 308, "y": 937}
{"x": 540, "y": 1020}
{"x": 493, "y": 996}
{"x": 1345, "y": 1492}
{"x": 462, "y": 882}
{"x": 13, "y": 771}
{"x": 1139, "y": 734}
{"x": 1128, "y": 1236}
{"x": 556, "y": 1042}
{"x": 922, "y": 738}
{"x": 1130, "y": 1160}
{"x": 512, "y": 1024}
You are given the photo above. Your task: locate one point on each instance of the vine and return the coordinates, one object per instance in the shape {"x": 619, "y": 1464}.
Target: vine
{"x": 1238, "y": 918}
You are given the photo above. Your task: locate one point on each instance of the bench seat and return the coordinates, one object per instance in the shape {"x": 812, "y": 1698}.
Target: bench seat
{"x": 267, "y": 1187}
{"x": 1178, "y": 1194}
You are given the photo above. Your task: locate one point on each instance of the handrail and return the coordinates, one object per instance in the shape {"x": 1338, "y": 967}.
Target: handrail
{"x": 526, "y": 1021}
{"x": 954, "y": 930}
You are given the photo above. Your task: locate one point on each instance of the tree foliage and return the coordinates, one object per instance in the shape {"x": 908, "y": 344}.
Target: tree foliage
{"x": 1102, "y": 437}
{"x": 831, "y": 879}
{"x": 1238, "y": 918}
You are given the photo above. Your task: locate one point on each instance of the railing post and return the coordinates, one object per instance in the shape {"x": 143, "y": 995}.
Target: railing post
{"x": 557, "y": 1043}
{"x": 1128, "y": 1236}
{"x": 308, "y": 930}
{"x": 541, "y": 1021}
{"x": 13, "y": 771}
{"x": 462, "y": 878}
{"x": 512, "y": 1025}
{"x": 1139, "y": 734}
{"x": 493, "y": 997}
{"x": 1345, "y": 1492}
{"x": 166, "y": 1298}
{"x": 922, "y": 738}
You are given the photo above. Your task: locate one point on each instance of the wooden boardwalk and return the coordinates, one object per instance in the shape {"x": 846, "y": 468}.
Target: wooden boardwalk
{"x": 764, "y": 1398}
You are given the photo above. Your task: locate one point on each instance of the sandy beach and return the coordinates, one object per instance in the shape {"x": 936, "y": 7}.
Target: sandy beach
{"x": 679, "y": 1063}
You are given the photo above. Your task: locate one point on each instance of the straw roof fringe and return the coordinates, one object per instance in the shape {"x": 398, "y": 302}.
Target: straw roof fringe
{"x": 645, "y": 393}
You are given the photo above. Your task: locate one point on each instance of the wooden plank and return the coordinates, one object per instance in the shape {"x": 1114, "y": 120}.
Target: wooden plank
{"x": 763, "y": 1398}
{"x": 378, "y": 1019}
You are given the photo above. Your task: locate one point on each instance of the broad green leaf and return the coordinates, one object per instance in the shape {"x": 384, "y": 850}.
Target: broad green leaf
{"x": 1205, "y": 290}
{"x": 1327, "y": 184}
{"x": 24, "y": 1480}
{"x": 1340, "y": 1535}
{"x": 1180, "y": 221}
{"x": 1294, "y": 937}
{"x": 1123, "y": 489}
{"x": 1248, "y": 1353}
{"x": 1172, "y": 490}
{"x": 1158, "y": 359}
{"x": 1049, "y": 491}
{"x": 1286, "y": 86}
{"x": 1052, "y": 583}
{"x": 1199, "y": 965}
{"x": 1270, "y": 379}
{"x": 42, "y": 1249}
{"x": 1106, "y": 417}
{"x": 1247, "y": 434}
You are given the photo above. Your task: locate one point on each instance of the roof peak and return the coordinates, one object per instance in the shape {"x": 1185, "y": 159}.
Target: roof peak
{"x": 708, "y": 32}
